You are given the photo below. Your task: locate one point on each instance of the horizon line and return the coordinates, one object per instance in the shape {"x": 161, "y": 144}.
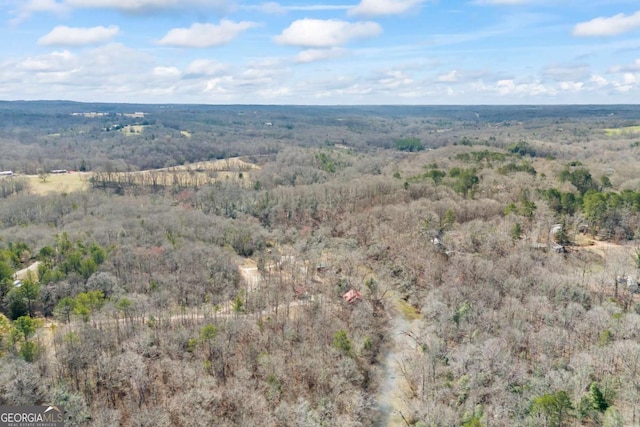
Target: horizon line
{"x": 313, "y": 105}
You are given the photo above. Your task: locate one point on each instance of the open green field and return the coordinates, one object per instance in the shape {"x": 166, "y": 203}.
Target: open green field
{"x": 628, "y": 130}
{"x": 59, "y": 183}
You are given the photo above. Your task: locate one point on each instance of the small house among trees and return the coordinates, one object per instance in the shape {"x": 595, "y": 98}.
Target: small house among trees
{"x": 352, "y": 296}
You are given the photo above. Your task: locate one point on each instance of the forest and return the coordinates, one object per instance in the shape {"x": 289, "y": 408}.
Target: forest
{"x": 321, "y": 266}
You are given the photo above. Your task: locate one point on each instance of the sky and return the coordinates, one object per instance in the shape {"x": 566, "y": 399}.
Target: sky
{"x": 324, "y": 52}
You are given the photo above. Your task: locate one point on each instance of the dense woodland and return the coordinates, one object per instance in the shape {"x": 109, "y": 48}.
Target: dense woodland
{"x": 495, "y": 250}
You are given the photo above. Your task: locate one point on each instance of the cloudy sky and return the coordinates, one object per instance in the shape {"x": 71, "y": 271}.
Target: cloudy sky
{"x": 324, "y": 52}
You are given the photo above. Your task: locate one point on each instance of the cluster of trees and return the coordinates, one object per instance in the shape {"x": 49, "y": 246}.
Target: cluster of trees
{"x": 463, "y": 181}
{"x": 13, "y": 185}
{"x": 409, "y": 144}
{"x": 39, "y": 291}
{"x": 610, "y": 214}
{"x": 13, "y": 255}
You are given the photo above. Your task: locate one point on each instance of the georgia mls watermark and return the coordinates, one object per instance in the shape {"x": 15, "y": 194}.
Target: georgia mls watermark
{"x": 31, "y": 416}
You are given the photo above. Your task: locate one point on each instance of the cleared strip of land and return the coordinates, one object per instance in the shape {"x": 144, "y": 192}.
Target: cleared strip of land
{"x": 627, "y": 130}
{"x": 185, "y": 176}
{"x": 191, "y": 175}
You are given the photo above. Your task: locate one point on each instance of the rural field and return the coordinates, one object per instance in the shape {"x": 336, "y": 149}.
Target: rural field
{"x": 183, "y": 176}
{"x": 191, "y": 175}
{"x": 627, "y": 130}
{"x": 58, "y": 183}
{"x": 353, "y": 266}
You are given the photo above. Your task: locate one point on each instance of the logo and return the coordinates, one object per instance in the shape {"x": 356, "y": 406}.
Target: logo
{"x": 31, "y": 416}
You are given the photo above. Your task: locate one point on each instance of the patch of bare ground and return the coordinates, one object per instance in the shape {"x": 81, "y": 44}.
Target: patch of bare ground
{"x": 593, "y": 254}
{"x": 602, "y": 247}
{"x": 395, "y": 391}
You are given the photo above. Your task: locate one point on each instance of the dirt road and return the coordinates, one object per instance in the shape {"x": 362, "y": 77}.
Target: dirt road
{"x": 395, "y": 390}
{"x": 24, "y": 273}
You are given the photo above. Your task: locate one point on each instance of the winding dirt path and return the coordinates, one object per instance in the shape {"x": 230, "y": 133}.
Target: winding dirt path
{"x": 24, "y": 273}
{"x": 395, "y": 392}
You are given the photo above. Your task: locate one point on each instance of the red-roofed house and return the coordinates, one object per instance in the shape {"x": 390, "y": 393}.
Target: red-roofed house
{"x": 352, "y": 296}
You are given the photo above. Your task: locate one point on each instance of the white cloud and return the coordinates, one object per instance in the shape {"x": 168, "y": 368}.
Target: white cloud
{"x": 166, "y": 72}
{"x": 509, "y": 87}
{"x": 219, "y": 85}
{"x": 630, "y": 78}
{"x": 52, "y": 62}
{"x": 271, "y": 7}
{"x": 117, "y": 58}
{"x": 312, "y": 55}
{"x": 262, "y": 81}
{"x": 354, "y": 90}
{"x": 571, "y": 86}
{"x": 44, "y": 6}
{"x": 28, "y": 8}
{"x": 506, "y": 87}
{"x": 599, "y": 81}
{"x": 383, "y": 7}
{"x": 610, "y": 26}
{"x": 502, "y": 2}
{"x": 109, "y": 70}
{"x": 449, "y": 77}
{"x": 274, "y": 93}
{"x": 318, "y": 7}
{"x": 357, "y": 89}
{"x": 395, "y": 79}
{"x": 565, "y": 72}
{"x": 206, "y": 35}
{"x": 267, "y": 63}
{"x": 626, "y": 68}
{"x": 143, "y": 5}
{"x": 318, "y": 33}
{"x": 204, "y": 67}
{"x": 67, "y": 36}
{"x": 258, "y": 76}
{"x": 629, "y": 81}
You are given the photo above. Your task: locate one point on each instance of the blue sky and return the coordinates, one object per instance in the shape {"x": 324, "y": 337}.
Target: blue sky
{"x": 324, "y": 52}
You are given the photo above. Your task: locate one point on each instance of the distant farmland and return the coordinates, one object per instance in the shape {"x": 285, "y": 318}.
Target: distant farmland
{"x": 187, "y": 176}
{"x": 627, "y": 130}
{"x": 58, "y": 183}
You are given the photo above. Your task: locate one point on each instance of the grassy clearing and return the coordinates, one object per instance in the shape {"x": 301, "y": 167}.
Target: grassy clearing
{"x": 62, "y": 183}
{"x": 622, "y": 131}
{"x": 191, "y": 175}
{"x": 233, "y": 164}
{"x": 181, "y": 178}
{"x": 583, "y": 240}
{"x": 408, "y": 311}
{"x": 133, "y": 129}
{"x": 194, "y": 175}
